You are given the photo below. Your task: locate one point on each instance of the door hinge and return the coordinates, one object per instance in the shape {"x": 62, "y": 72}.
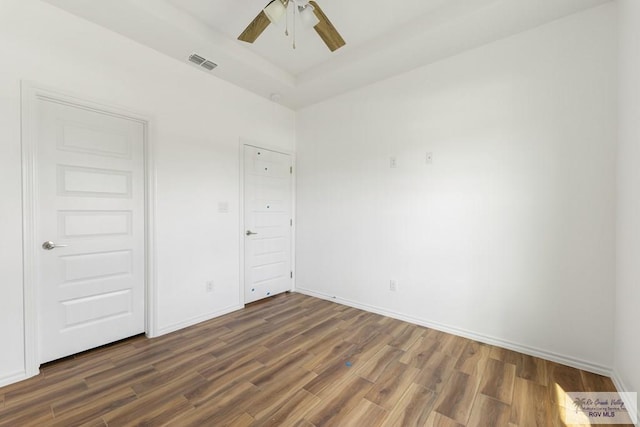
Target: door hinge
{"x": 290, "y": 169}
{"x": 291, "y": 275}
{"x": 291, "y": 222}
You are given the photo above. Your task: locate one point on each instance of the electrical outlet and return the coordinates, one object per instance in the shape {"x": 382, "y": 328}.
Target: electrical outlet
{"x": 392, "y": 162}
{"x": 209, "y": 286}
{"x": 429, "y": 158}
{"x": 393, "y": 285}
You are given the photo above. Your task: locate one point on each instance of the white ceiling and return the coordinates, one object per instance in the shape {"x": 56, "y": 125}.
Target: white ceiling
{"x": 384, "y": 38}
{"x": 356, "y": 23}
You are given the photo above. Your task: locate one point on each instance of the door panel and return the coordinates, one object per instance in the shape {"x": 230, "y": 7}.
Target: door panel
{"x": 90, "y": 203}
{"x": 104, "y": 265}
{"x": 267, "y": 205}
{"x": 88, "y": 182}
{"x": 94, "y": 223}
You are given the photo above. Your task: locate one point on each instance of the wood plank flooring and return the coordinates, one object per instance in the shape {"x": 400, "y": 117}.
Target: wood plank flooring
{"x": 293, "y": 360}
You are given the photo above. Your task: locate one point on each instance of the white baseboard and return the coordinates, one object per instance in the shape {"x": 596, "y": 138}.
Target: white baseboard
{"x": 632, "y": 405}
{"x": 195, "y": 320}
{"x": 13, "y": 378}
{"x": 22, "y": 375}
{"x": 543, "y": 354}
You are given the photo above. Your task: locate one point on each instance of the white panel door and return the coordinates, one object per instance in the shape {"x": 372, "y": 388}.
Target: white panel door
{"x": 90, "y": 225}
{"x": 267, "y": 221}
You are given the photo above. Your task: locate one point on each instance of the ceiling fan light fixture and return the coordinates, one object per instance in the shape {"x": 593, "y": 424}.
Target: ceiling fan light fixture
{"x": 275, "y": 11}
{"x": 307, "y": 16}
{"x": 311, "y": 15}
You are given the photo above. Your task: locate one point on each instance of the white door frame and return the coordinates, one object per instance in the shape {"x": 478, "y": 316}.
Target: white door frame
{"x": 241, "y": 145}
{"x": 31, "y": 93}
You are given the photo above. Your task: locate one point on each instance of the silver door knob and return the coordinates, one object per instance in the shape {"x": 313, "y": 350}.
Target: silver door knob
{"x": 249, "y": 233}
{"x": 48, "y": 245}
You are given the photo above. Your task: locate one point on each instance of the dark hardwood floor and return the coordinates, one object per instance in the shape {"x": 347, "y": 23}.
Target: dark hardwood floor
{"x": 294, "y": 360}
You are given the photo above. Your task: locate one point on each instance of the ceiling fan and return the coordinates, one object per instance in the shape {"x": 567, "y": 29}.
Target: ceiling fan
{"x": 309, "y": 13}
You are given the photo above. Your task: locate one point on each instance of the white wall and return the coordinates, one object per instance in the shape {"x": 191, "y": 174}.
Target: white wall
{"x": 198, "y": 121}
{"x": 509, "y": 235}
{"x": 627, "y": 344}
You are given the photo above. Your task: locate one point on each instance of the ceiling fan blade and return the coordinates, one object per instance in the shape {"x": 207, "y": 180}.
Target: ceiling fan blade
{"x": 255, "y": 28}
{"x": 326, "y": 30}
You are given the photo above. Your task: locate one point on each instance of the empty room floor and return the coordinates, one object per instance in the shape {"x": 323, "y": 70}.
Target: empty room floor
{"x": 294, "y": 360}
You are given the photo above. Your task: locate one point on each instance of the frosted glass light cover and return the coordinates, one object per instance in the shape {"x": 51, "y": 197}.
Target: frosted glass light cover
{"x": 308, "y": 18}
{"x": 274, "y": 11}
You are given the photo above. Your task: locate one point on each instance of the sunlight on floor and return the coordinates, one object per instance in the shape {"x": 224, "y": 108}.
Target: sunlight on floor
{"x": 599, "y": 408}
{"x": 562, "y": 401}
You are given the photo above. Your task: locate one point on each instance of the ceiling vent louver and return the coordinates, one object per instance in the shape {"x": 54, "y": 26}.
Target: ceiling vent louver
{"x": 196, "y": 59}
{"x": 203, "y": 62}
{"x": 209, "y": 65}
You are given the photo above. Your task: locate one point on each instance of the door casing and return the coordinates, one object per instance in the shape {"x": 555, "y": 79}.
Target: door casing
{"x": 31, "y": 93}
{"x": 242, "y": 228}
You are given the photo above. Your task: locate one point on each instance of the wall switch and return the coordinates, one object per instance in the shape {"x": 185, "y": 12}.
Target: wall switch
{"x": 392, "y": 162}
{"x": 209, "y": 287}
{"x": 393, "y": 285}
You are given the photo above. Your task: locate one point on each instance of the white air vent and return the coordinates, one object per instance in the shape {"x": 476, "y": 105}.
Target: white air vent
{"x": 203, "y": 62}
{"x": 196, "y": 59}
{"x": 209, "y": 65}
